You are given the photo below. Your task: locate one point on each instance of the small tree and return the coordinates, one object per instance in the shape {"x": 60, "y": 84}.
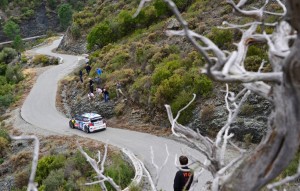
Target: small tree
{"x": 65, "y": 15}
{"x": 11, "y": 29}
{"x": 18, "y": 43}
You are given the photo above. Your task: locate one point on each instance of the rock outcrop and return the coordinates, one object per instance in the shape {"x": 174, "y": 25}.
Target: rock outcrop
{"x": 72, "y": 46}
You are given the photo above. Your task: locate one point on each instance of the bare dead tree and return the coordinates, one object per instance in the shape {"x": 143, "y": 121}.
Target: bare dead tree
{"x": 158, "y": 168}
{"x": 32, "y": 186}
{"x": 280, "y": 87}
{"x": 99, "y": 169}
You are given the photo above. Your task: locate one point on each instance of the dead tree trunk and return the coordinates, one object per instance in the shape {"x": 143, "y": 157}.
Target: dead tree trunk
{"x": 276, "y": 152}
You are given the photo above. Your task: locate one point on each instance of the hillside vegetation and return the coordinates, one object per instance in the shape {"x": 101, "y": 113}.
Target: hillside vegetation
{"x": 155, "y": 69}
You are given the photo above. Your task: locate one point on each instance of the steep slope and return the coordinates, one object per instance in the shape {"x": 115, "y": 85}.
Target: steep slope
{"x": 155, "y": 69}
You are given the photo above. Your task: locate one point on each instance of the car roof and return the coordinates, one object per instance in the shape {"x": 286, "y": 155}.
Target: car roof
{"x": 90, "y": 115}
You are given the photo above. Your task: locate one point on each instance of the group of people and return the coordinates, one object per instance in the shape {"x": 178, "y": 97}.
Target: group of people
{"x": 99, "y": 91}
{"x": 102, "y": 92}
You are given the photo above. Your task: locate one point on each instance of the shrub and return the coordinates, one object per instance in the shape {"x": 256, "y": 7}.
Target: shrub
{"x": 119, "y": 108}
{"x": 247, "y": 109}
{"x": 54, "y": 180}
{"x": 29, "y": 13}
{"x": 52, "y": 4}
{"x": 207, "y": 113}
{"x": 24, "y": 59}
{"x": 75, "y": 31}
{"x": 120, "y": 171}
{"x": 248, "y": 139}
{"x": 181, "y": 100}
{"x": 252, "y": 63}
{"x": 100, "y": 35}
{"x": 2, "y": 70}
{"x": 48, "y": 164}
{"x": 222, "y": 38}
{"x": 21, "y": 178}
{"x": 18, "y": 43}
{"x": 41, "y": 59}
{"x": 21, "y": 159}
{"x": 293, "y": 166}
{"x": 11, "y": 29}
{"x": 7, "y": 55}
{"x": 6, "y": 100}
{"x": 134, "y": 187}
{"x": 14, "y": 74}
{"x": 3, "y": 146}
{"x": 65, "y": 15}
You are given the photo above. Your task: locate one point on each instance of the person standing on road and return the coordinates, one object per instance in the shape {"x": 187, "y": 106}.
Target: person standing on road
{"x": 184, "y": 177}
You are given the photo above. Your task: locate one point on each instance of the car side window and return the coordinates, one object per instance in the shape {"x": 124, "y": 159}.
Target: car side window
{"x": 78, "y": 117}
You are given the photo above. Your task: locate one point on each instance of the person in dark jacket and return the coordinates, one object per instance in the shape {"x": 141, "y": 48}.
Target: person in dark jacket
{"x": 88, "y": 69}
{"x": 106, "y": 95}
{"x": 91, "y": 85}
{"x": 80, "y": 76}
{"x": 184, "y": 177}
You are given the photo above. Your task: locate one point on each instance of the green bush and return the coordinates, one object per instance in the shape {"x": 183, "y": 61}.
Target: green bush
{"x": 120, "y": 171}
{"x": 65, "y": 15}
{"x": 48, "y": 164}
{"x": 41, "y": 59}
{"x": 181, "y": 100}
{"x": 248, "y": 138}
{"x": 4, "y": 141}
{"x": 2, "y": 70}
{"x": 11, "y": 29}
{"x": 52, "y": 4}
{"x": 6, "y": 100}
{"x": 28, "y": 14}
{"x": 100, "y": 35}
{"x": 54, "y": 180}
{"x": 293, "y": 166}
{"x": 75, "y": 31}
{"x": 222, "y": 38}
{"x": 7, "y": 55}
{"x": 14, "y": 74}
{"x": 247, "y": 109}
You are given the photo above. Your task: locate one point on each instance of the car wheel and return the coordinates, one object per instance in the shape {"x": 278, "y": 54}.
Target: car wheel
{"x": 86, "y": 129}
{"x": 71, "y": 125}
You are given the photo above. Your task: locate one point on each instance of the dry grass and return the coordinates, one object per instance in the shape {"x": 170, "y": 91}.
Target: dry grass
{"x": 21, "y": 159}
{"x": 26, "y": 84}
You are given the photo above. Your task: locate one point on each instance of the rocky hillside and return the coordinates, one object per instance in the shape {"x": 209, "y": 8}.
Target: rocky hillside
{"x": 35, "y": 17}
{"x": 155, "y": 69}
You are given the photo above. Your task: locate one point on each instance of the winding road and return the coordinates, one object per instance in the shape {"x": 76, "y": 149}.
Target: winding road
{"x": 39, "y": 110}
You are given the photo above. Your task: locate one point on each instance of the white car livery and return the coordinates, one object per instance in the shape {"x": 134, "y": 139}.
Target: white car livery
{"x": 88, "y": 122}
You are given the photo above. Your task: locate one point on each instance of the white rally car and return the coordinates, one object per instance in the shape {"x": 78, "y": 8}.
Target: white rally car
{"x": 88, "y": 122}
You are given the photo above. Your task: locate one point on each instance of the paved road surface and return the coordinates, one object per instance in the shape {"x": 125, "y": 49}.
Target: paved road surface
{"x": 39, "y": 109}
{"x": 24, "y": 39}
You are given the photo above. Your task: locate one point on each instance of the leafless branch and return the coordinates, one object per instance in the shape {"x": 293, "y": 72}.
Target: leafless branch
{"x": 99, "y": 171}
{"x": 158, "y": 169}
{"x": 32, "y": 186}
